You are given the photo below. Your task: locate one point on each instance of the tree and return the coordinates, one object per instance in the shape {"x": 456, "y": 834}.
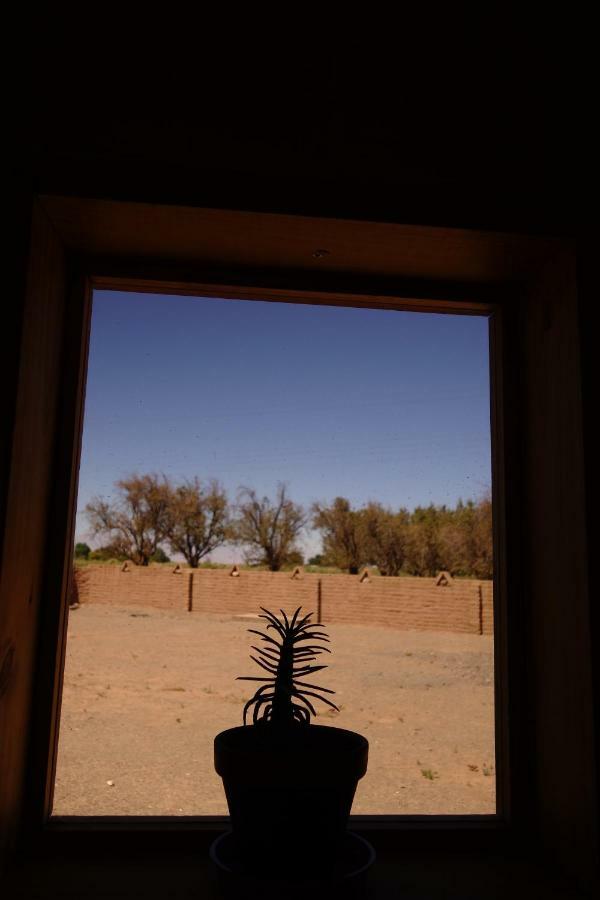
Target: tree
{"x": 318, "y": 560}
{"x": 428, "y": 552}
{"x": 138, "y": 520}
{"x": 483, "y": 562}
{"x": 295, "y": 558}
{"x": 199, "y": 519}
{"x": 425, "y": 551}
{"x": 344, "y": 534}
{"x": 82, "y": 551}
{"x": 386, "y": 537}
{"x": 160, "y": 556}
{"x": 473, "y": 540}
{"x": 269, "y": 529}
{"x": 108, "y": 552}
{"x": 465, "y": 539}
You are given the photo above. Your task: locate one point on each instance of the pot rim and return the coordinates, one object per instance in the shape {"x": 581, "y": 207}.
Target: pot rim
{"x": 262, "y": 753}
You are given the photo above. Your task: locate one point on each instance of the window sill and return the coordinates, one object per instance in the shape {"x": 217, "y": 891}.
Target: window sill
{"x": 187, "y": 872}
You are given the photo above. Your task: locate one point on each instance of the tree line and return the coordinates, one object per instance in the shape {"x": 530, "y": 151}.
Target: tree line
{"x": 422, "y": 542}
{"x": 193, "y": 518}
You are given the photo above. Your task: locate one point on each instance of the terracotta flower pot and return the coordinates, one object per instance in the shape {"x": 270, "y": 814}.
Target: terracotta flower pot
{"x": 289, "y": 791}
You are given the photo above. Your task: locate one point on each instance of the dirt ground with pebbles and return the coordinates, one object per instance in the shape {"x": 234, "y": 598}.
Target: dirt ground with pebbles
{"x": 145, "y": 691}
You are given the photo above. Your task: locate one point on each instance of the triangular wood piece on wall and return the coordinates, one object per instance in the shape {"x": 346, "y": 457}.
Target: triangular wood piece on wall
{"x": 297, "y": 573}
{"x": 125, "y": 567}
{"x": 177, "y": 570}
{"x": 364, "y": 577}
{"x": 444, "y": 579}
{"x": 235, "y": 572}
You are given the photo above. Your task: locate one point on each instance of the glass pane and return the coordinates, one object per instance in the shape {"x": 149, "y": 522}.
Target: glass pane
{"x": 370, "y": 429}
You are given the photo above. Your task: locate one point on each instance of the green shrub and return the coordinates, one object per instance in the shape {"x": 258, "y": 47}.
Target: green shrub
{"x": 160, "y": 556}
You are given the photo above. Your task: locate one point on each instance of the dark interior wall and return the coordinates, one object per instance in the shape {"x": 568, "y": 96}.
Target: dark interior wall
{"x": 423, "y": 122}
{"x": 448, "y": 118}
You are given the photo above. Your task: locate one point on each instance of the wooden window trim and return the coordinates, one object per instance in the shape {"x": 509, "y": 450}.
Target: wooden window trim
{"x": 80, "y": 244}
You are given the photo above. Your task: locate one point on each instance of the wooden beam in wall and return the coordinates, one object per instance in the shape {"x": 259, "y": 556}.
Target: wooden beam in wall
{"x": 554, "y": 547}
{"x": 294, "y": 243}
{"x": 29, "y": 481}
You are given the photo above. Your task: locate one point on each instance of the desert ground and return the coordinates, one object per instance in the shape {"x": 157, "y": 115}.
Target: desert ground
{"x": 146, "y": 690}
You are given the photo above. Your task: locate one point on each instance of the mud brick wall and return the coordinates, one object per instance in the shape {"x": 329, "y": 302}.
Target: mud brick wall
{"x": 153, "y": 586}
{"x": 464, "y": 606}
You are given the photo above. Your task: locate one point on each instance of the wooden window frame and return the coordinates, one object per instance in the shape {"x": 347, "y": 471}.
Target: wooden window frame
{"x": 78, "y": 245}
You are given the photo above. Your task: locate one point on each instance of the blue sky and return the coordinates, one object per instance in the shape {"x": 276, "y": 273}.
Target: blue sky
{"x": 366, "y": 404}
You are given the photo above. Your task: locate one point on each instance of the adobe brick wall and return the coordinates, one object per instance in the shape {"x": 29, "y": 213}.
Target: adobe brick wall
{"x": 465, "y": 606}
{"x": 137, "y": 586}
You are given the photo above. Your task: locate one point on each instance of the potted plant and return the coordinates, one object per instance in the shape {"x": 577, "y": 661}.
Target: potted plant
{"x": 289, "y": 783}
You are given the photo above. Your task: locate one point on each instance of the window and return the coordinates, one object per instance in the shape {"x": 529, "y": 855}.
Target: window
{"x": 380, "y": 419}
{"x": 536, "y": 403}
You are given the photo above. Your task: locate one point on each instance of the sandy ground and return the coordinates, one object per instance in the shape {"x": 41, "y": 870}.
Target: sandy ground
{"x": 145, "y": 692}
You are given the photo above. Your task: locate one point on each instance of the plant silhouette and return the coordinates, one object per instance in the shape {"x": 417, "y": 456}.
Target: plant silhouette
{"x": 283, "y": 698}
